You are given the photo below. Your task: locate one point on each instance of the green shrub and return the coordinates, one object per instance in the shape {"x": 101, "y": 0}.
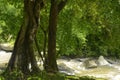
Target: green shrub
{"x": 15, "y": 75}
{"x": 18, "y": 75}
{"x": 2, "y": 78}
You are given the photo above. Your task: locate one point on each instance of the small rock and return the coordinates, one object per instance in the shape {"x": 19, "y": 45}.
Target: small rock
{"x": 90, "y": 64}
{"x": 102, "y": 61}
{"x": 6, "y": 47}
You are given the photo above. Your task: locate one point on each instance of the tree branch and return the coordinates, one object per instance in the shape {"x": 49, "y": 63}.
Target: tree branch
{"x": 37, "y": 46}
{"x": 61, "y": 5}
{"x": 42, "y": 4}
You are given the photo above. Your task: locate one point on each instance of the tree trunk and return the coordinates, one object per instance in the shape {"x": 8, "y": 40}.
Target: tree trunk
{"x": 23, "y": 53}
{"x": 52, "y": 65}
{"x": 52, "y": 28}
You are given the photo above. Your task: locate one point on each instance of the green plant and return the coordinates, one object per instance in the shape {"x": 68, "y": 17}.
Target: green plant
{"x": 14, "y": 75}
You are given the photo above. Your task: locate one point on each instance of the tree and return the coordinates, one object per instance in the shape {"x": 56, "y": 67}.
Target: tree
{"x": 23, "y": 53}
{"x": 56, "y": 7}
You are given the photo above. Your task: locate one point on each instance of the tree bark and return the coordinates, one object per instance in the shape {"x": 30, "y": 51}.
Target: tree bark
{"x": 52, "y": 28}
{"x": 23, "y": 53}
{"x": 52, "y": 65}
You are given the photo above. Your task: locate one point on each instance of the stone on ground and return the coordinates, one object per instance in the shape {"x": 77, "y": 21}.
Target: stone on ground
{"x": 102, "y": 61}
{"x": 6, "y": 47}
{"x": 90, "y": 64}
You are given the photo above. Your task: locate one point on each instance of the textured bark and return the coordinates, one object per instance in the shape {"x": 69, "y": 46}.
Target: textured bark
{"x": 52, "y": 65}
{"x": 51, "y": 58}
{"x": 23, "y": 53}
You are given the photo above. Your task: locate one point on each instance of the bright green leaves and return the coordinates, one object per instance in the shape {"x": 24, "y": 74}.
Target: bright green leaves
{"x": 10, "y": 20}
{"x": 94, "y": 18}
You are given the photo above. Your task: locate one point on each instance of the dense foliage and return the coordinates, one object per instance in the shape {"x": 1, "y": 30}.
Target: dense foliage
{"x": 10, "y": 20}
{"x": 85, "y": 28}
{"x": 90, "y": 27}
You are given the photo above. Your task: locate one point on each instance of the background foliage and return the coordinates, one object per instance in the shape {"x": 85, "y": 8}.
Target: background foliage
{"x": 85, "y": 28}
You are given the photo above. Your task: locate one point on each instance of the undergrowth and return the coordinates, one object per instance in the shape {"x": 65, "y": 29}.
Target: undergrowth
{"x": 17, "y": 75}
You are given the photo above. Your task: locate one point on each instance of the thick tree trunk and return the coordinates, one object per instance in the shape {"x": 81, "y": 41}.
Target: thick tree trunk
{"x": 54, "y": 11}
{"x": 23, "y": 53}
{"x": 52, "y": 65}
